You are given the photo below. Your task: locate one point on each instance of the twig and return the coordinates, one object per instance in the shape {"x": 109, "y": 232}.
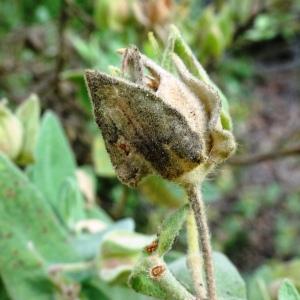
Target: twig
{"x": 198, "y": 207}
{"x": 272, "y": 155}
{"x": 194, "y": 258}
{"x": 60, "y": 56}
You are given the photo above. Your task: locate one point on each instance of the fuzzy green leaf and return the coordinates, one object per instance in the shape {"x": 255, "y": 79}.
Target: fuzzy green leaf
{"x": 114, "y": 292}
{"x": 29, "y": 115}
{"x": 31, "y": 237}
{"x": 288, "y": 291}
{"x": 170, "y": 229}
{"x": 102, "y": 163}
{"x": 119, "y": 252}
{"x": 162, "y": 192}
{"x": 88, "y": 245}
{"x": 71, "y": 204}
{"x": 156, "y": 50}
{"x": 54, "y": 159}
{"x": 230, "y": 285}
{"x": 267, "y": 275}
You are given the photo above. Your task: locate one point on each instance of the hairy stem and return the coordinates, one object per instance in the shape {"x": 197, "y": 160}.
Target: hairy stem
{"x": 194, "y": 258}
{"x": 173, "y": 288}
{"x": 153, "y": 269}
{"x": 198, "y": 208}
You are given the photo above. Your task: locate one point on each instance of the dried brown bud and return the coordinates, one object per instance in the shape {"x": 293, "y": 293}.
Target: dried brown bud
{"x": 156, "y": 124}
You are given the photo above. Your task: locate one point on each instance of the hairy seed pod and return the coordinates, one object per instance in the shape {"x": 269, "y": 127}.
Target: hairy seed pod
{"x": 157, "y": 123}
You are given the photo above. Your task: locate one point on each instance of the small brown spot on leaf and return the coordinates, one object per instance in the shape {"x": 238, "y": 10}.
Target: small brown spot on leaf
{"x": 152, "y": 247}
{"x": 157, "y": 271}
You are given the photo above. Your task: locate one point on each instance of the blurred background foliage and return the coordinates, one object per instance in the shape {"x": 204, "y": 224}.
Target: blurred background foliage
{"x": 252, "y": 50}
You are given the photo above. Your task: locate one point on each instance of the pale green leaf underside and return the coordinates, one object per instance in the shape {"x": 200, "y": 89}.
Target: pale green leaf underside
{"x": 288, "y": 291}
{"x": 230, "y": 285}
{"x": 29, "y": 230}
{"x": 54, "y": 159}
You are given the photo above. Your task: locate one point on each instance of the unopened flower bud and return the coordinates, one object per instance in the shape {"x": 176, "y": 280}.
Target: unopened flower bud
{"x": 11, "y": 133}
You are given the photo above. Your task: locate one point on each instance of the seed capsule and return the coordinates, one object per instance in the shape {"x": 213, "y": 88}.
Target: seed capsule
{"x": 167, "y": 126}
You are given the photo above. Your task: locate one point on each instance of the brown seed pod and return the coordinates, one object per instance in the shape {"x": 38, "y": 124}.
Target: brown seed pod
{"x": 164, "y": 125}
{"x": 163, "y": 136}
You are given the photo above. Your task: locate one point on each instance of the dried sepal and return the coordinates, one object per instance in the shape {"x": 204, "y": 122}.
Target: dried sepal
{"x": 223, "y": 142}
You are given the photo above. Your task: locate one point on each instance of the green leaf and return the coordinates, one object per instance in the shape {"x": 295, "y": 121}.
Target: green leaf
{"x": 88, "y": 50}
{"x": 29, "y": 115}
{"x": 102, "y": 13}
{"x": 88, "y": 245}
{"x": 162, "y": 192}
{"x": 288, "y": 291}
{"x": 91, "y": 292}
{"x": 272, "y": 273}
{"x": 115, "y": 292}
{"x": 71, "y": 203}
{"x": 31, "y": 237}
{"x": 54, "y": 159}
{"x": 213, "y": 42}
{"x": 153, "y": 50}
{"x": 98, "y": 213}
{"x": 170, "y": 229}
{"x": 226, "y": 23}
{"x": 119, "y": 253}
{"x": 287, "y": 269}
{"x": 212, "y": 38}
{"x": 3, "y": 293}
{"x": 102, "y": 163}
{"x": 230, "y": 285}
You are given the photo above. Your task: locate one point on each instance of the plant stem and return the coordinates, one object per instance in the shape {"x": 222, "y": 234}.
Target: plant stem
{"x": 173, "y": 288}
{"x": 198, "y": 208}
{"x": 169, "y": 286}
{"x": 72, "y": 267}
{"x": 258, "y": 158}
{"x": 194, "y": 258}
